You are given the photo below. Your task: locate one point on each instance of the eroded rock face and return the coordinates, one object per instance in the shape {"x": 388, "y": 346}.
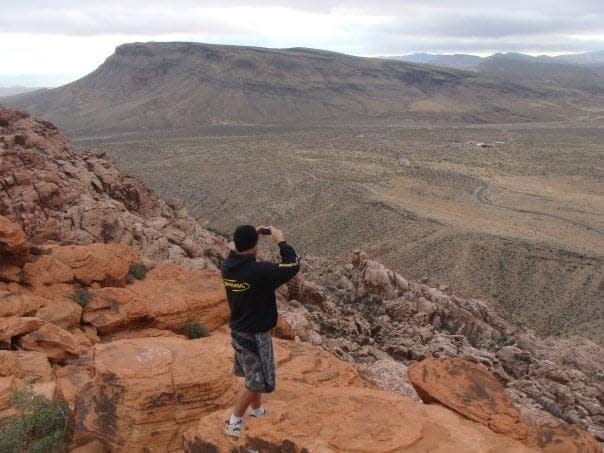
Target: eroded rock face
{"x": 469, "y": 389}
{"x": 54, "y": 194}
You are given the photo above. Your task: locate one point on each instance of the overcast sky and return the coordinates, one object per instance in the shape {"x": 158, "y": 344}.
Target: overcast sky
{"x": 48, "y": 43}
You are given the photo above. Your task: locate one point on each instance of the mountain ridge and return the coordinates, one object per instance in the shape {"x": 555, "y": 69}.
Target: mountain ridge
{"x": 469, "y": 61}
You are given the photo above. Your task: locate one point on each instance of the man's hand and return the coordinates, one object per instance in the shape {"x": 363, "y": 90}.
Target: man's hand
{"x": 276, "y": 235}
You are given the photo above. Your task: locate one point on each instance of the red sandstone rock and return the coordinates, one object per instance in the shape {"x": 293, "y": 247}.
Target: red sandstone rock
{"x": 28, "y": 365}
{"x": 147, "y": 390}
{"x": 165, "y": 299}
{"x": 21, "y": 304}
{"x": 283, "y": 329}
{"x": 15, "y": 326}
{"x": 12, "y": 238}
{"x": 57, "y": 343}
{"x": 47, "y": 270}
{"x": 63, "y": 312}
{"x": 107, "y": 264}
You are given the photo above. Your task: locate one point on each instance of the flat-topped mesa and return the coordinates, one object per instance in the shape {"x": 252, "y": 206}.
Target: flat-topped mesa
{"x": 184, "y": 85}
{"x": 58, "y": 195}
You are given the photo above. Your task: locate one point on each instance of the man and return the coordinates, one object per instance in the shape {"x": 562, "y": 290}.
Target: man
{"x": 250, "y": 287}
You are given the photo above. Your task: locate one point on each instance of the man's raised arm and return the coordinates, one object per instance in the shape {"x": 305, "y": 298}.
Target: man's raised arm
{"x": 290, "y": 263}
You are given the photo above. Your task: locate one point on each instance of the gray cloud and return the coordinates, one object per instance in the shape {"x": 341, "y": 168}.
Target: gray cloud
{"x": 435, "y": 17}
{"x": 412, "y": 25}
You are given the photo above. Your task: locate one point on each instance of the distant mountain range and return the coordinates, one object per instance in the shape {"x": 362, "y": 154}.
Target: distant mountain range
{"x": 11, "y": 91}
{"x": 472, "y": 62}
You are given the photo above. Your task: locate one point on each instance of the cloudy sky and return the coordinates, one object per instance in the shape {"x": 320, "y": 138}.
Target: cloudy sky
{"x": 48, "y": 43}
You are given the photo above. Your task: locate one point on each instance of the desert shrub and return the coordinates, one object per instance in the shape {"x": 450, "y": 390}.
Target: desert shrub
{"x": 81, "y": 296}
{"x": 193, "y": 330}
{"x": 505, "y": 340}
{"x": 45, "y": 426}
{"x": 138, "y": 271}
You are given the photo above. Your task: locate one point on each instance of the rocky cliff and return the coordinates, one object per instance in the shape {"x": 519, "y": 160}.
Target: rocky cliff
{"x": 99, "y": 278}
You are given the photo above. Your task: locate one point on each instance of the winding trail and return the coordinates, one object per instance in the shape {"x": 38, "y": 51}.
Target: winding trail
{"x": 485, "y": 186}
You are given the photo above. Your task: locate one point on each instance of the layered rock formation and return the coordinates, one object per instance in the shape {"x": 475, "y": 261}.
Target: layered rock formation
{"x": 370, "y": 316}
{"x": 364, "y": 346}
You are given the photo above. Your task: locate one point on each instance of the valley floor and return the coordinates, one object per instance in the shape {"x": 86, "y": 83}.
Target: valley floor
{"x": 510, "y": 213}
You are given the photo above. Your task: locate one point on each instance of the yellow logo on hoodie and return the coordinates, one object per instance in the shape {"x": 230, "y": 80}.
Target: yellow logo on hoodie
{"x": 235, "y": 286}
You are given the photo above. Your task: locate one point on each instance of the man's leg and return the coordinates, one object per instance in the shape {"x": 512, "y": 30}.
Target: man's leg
{"x": 257, "y": 401}
{"x": 244, "y": 402}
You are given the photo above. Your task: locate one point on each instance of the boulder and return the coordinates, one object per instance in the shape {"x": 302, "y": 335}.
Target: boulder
{"x": 64, "y": 313}
{"x": 16, "y": 326}
{"x": 376, "y": 279}
{"x": 21, "y": 304}
{"x": 305, "y": 292}
{"x": 29, "y": 365}
{"x": 12, "y": 238}
{"x": 472, "y": 391}
{"x": 469, "y": 389}
{"x": 46, "y": 271}
{"x": 165, "y": 299}
{"x": 57, "y": 343}
{"x": 72, "y": 379}
{"x": 389, "y": 375}
{"x": 157, "y": 388}
{"x": 174, "y": 295}
{"x": 20, "y": 369}
{"x": 107, "y": 264}
{"x": 283, "y": 329}
{"x": 293, "y": 320}
{"x": 10, "y": 272}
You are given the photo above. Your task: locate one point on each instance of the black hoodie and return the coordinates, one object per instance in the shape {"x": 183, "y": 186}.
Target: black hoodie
{"x": 250, "y": 287}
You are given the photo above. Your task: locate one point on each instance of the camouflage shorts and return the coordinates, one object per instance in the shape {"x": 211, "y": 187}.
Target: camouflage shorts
{"x": 254, "y": 360}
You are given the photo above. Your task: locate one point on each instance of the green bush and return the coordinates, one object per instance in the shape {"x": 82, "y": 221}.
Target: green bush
{"x": 193, "y": 330}
{"x": 45, "y": 426}
{"x": 81, "y": 297}
{"x": 138, "y": 270}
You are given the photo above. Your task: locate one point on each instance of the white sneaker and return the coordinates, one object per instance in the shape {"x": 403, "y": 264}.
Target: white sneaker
{"x": 233, "y": 429}
{"x": 264, "y": 413}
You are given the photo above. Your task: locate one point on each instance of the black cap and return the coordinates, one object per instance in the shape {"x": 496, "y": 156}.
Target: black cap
{"x": 245, "y": 237}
